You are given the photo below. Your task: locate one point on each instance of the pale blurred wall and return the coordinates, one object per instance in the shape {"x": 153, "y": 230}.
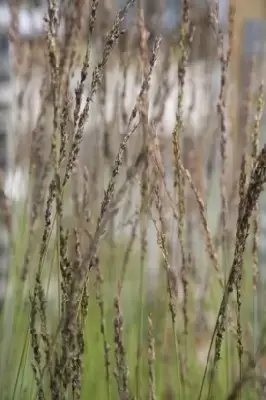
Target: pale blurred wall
{"x": 246, "y": 10}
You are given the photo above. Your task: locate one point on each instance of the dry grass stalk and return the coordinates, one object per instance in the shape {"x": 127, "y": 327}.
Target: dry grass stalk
{"x": 151, "y": 361}
{"x": 143, "y": 111}
{"x": 210, "y": 248}
{"x": 179, "y": 182}
{"x": 39, "y": 170}
{"x": 121, "y": 372}
{"x": 125, "y": 260}
{"x": 248, "y": 201}
{"x": 160, "y": 192}
{"x": 221, "y": 108}
{"x": 99, "y": 298}
{"x": 170, "y": 279}
{"x": 255, "y": 139}
{"x": 163, "y": 90}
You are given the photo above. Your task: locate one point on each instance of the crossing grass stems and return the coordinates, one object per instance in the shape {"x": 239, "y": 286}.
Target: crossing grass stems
{"x": 79, "y": 318}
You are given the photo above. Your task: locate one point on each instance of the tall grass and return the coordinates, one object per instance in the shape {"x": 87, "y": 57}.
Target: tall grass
{"x": 88, "y": 312}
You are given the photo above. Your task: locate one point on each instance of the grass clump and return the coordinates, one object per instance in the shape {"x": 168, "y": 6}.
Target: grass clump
{"x": 119, "y": 285}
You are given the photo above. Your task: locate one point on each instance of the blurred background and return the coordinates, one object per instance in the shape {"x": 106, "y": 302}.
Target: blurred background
{"x": 202, "y": 86}
{"x": 27, "y": 76}
{"x": 201, "y": 147}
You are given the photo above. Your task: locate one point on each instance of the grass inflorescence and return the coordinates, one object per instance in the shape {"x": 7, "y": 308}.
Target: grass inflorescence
{"x": 132, "y": 273}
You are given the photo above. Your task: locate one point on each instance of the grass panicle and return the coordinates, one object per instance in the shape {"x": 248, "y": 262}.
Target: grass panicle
{"x": 135, "y": 268}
